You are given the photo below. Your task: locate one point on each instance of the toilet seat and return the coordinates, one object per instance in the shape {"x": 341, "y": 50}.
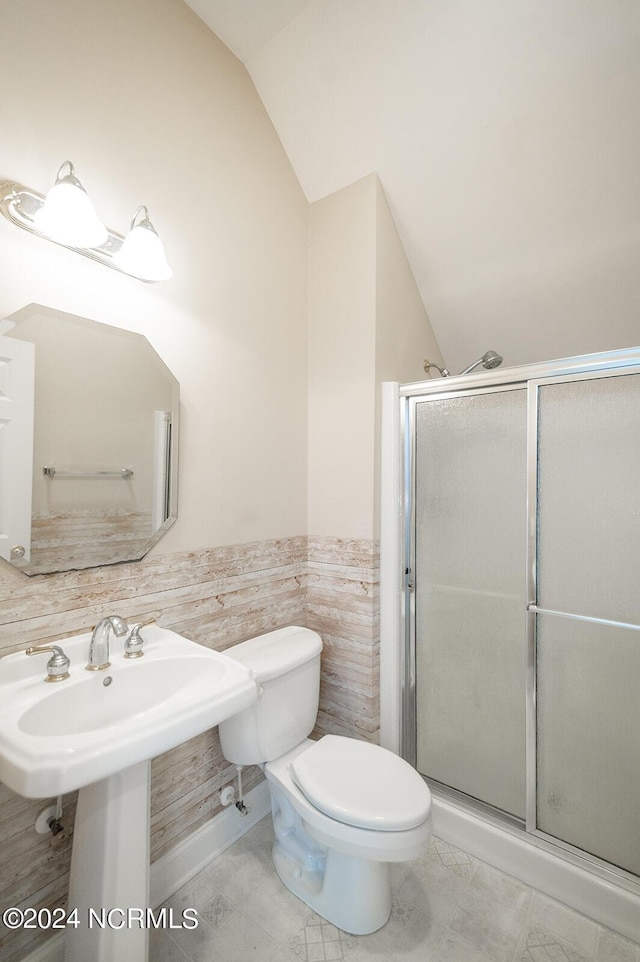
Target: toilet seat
{"x": 361, "y": 784}
{"x": 368, "y": 843}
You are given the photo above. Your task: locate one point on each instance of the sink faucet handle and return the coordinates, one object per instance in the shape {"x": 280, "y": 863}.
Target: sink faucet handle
{"x": 57, "y": 666}
{"x": 134, "y": 641}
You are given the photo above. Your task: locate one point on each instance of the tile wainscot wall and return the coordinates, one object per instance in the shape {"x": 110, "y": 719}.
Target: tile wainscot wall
{"x": 217, "y": 598}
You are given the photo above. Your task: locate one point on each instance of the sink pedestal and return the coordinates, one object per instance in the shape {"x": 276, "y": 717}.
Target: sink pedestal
{"x": 99, "y": 732}
{"x": 110, "y": 869}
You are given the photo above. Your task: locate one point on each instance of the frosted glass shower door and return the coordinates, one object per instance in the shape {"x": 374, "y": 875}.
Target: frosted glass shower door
{"x": 470, "y": 594}
{"x": 588, "y": 642}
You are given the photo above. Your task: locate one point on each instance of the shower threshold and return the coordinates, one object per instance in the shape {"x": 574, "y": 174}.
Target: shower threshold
{"x": 603, "y": 892}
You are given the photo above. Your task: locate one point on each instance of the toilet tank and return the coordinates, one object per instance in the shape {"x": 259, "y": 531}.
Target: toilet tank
{"x": 285, "y": 665}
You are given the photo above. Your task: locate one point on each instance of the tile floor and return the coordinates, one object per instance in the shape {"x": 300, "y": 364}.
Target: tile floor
{"x": 448, "y": 907}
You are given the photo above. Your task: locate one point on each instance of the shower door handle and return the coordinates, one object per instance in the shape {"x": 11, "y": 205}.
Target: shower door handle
{"x": 589, "y": 618}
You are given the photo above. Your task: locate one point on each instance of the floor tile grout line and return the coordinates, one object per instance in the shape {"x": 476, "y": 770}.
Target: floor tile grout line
{"x": 238, "y": 908}
{"x": 563, "y": 938}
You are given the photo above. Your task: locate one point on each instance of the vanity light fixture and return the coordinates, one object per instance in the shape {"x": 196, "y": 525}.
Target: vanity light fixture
{"x": 67, "y": 217}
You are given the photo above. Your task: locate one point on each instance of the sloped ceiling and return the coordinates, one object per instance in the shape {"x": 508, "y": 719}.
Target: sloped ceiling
{"x": 506, "y": 134}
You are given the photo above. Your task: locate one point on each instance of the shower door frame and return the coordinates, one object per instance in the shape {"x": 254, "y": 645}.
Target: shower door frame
{"x": 529, "y": 378}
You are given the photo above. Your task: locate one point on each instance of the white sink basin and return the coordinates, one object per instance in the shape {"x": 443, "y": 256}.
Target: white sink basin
{"x": 55, "y": 738}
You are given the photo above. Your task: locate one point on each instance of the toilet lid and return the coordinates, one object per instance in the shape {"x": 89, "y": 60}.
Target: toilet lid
{"x": 361, "y": 784}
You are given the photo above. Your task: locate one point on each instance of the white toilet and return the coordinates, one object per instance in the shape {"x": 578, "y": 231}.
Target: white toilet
{"x": 343, "y": 809}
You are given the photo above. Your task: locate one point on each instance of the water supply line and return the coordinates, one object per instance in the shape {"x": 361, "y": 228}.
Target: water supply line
{"x": 240, "y": 805}
{"x": 55, "y": 823}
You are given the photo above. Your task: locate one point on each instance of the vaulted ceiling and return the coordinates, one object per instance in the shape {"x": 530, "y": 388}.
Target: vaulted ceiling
{"x": 506, "y": 135}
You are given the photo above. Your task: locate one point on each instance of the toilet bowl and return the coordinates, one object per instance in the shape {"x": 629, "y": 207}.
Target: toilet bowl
{"x": 343, "y": 809}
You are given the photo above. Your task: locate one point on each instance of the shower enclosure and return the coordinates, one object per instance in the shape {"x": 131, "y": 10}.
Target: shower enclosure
{"x": 519, "y": 539}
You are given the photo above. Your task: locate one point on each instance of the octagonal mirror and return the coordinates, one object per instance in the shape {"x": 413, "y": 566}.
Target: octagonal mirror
{"x": 88, "y": 442}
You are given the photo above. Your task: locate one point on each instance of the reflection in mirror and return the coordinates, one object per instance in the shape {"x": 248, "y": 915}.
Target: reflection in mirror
{"x": 88, "y": 442}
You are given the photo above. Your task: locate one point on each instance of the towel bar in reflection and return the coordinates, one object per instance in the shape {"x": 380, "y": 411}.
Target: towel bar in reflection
{"x": 121, "y": 474}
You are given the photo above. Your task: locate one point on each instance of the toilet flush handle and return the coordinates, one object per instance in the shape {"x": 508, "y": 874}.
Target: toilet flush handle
{"x": 254, "y": 679}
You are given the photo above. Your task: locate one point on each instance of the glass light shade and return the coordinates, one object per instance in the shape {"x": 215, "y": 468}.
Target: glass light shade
{"x": 142, "y": 253}
{"x": 68, "y": 217}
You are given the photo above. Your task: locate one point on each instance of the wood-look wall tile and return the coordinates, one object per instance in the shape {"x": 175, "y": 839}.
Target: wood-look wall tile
{"x": 217, "y": 597}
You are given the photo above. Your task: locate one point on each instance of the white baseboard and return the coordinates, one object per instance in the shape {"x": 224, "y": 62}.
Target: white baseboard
{"x": 190, "y": 856}
{"x": 171, "y": 871}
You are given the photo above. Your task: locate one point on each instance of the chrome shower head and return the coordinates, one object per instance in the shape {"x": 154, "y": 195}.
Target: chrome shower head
{"x": 489, "y": 360}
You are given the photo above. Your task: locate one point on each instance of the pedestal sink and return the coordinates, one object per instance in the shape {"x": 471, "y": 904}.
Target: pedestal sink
{"x": 97, "y": 731}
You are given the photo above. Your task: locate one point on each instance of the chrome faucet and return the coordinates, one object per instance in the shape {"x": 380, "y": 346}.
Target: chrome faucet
{"x": 99, "y": 646}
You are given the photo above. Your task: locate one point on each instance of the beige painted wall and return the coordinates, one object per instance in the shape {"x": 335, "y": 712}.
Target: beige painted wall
{"x": 367, "y": 324}
{"x": 152, "y": 108}
{"x": 403, "y": 333}
{"x": 342, "y": 264}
